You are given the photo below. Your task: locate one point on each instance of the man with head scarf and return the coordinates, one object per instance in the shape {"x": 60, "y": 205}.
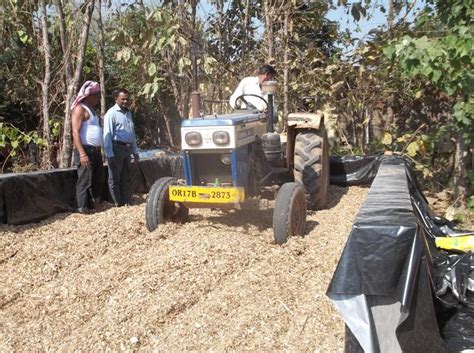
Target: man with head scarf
{"x": 87, "y": 137}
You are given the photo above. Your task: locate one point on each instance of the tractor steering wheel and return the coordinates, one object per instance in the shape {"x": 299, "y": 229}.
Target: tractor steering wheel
{"x": 240, "y": 99}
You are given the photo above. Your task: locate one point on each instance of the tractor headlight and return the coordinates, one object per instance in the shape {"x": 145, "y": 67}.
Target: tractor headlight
{"x": 193, "y": 138}
{"x": 220, "y": 137}
{"x": 225, "y": 158}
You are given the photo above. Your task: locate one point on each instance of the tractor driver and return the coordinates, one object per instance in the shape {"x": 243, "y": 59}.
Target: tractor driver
{"x": 253, "y": 85}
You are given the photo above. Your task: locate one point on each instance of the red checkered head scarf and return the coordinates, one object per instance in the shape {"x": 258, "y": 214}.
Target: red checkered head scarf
{"x": 89, "y": 88}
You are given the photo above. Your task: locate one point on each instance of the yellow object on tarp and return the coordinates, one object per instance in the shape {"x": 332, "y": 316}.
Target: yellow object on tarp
{"x": 464, "y": 243}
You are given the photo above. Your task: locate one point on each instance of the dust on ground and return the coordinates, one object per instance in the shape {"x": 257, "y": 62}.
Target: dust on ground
{"x": 217, "y": 283}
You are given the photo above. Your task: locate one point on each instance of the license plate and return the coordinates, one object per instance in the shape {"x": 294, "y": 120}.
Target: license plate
{"x": 204, "y": 194}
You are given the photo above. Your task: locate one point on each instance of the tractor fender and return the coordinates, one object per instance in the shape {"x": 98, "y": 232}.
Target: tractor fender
{"x": 300, "y": 121}
{"x": 305, "y": 120}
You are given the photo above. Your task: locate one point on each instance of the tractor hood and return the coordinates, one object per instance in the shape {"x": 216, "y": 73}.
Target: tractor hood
{"x": 233, "y": 119}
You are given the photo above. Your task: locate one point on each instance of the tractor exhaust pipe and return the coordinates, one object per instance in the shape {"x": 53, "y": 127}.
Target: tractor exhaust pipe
{"x": 195, "y": 104}
{"x": 270, "y": 88}
{"x": 270, "y": 113}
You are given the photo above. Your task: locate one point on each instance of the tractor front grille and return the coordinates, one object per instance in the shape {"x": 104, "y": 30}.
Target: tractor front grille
{"x": 207, "y": 167}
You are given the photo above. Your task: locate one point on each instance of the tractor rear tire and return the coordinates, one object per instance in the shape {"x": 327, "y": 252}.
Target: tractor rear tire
{"x": 289, "y": 215}
{"x": 311, "y": 166}
{"x": 159, "y": 209}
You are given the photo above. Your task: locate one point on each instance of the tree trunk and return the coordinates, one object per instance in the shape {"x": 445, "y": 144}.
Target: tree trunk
{"x": 73, "y": 87}
{"x": 461, "y": 189}
{"x": 175, "y": 87}
{"x": 64, "y": 42}
{"x": 220, "y": 51}
{"x": 168, "y": 133}
{"x": 390, "y": 18}
{"x": 46, "y": 158}
{"x": 101, "y": 59}
{"x": 269, "y": 40}
{"x": 285, "y": 68}
{"x": 243, "y": 63}
{"x": 194, "y": 47}
{"x": 66, "y": 55}
{"x": 139, "y": 3}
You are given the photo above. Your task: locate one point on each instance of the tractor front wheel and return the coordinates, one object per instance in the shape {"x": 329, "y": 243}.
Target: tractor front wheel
{"x": 311, "y": 167}
{"x": 159, "y": 209}
{"x": 289, "y": 215}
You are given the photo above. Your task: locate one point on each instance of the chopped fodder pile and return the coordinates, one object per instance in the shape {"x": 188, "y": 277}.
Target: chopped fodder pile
{"x": 218, "y": 282}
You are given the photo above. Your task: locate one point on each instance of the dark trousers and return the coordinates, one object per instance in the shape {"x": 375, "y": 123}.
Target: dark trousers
{"x": 119, "y": 174}
{"x": 89, "y": 180}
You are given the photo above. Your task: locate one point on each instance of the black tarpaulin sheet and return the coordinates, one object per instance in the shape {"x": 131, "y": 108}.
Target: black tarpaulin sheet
{"x": 432, "y": 224}
{"x": 385, "y": 222}
{"x": 453, "y": 277}
{"x": 30, "y": 197}
{"x": 382, "y": 272}
{"x": 458, "y": 330}
{"x": 452, "y": 274}
{"x": 3, "y": 215}
{"x": 415, "y": 333}
{"x": 39, "y": 195}
{"x": 155, "y": 168}
{"x": 353, "y": 170}
{"x": 136, "y": 179}
{"x": 453, "y": 280}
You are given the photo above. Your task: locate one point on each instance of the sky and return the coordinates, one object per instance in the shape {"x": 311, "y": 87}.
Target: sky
{"x": 341, "y": 14}
{"x": 374, "y": 19}
{"x": 359, "y": 29}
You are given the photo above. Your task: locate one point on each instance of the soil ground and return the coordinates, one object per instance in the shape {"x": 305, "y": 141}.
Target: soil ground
{"x": 217, "y": 283}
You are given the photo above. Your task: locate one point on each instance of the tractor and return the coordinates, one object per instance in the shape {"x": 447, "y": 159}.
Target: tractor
{"x": 237, "y": 161}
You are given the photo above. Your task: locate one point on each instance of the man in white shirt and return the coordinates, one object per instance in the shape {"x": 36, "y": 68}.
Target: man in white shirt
{"x": 253, "y": 85}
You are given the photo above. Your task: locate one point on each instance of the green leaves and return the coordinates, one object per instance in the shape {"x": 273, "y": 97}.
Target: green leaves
{"x": 408, "y": 143}
{"x": 414, "y": 147}
{"x": 435, "y": 76}
{"x": 389, "y": 51}
{"x": 357, "y": 11}
{"x": 470, "y": 204}
{"x": 151, "y": 69}
{"x": 152, "y": 49}
{"x": 182, "y": 63}
{"x": 464, "y": 111}
{"x": 445, "y": 61}
{"x": 151, "y": 89}
{"x": 386, "y": 138}
{"x": 24, "y": 37}
{"x": 14, "y": 139}
{"x": 124, "y": 54}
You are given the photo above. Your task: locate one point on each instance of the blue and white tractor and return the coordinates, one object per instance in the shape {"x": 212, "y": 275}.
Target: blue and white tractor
{"x": 231, "y": 161}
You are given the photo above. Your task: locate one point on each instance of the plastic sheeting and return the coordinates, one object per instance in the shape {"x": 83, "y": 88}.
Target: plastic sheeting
{"x": 153, "y": 169}
{"x": 458, "y": 330}
{"x": 452, "y": 274}
{"x": 383, "y": 285}
{"x": 353, "y": 170}
{"x": 384, "y": 222}
{"x": 453, "y": 278}
{"x": 3, "y": 215}
{"x": 383, "y": 262}
{"x": 31, "y": 197}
